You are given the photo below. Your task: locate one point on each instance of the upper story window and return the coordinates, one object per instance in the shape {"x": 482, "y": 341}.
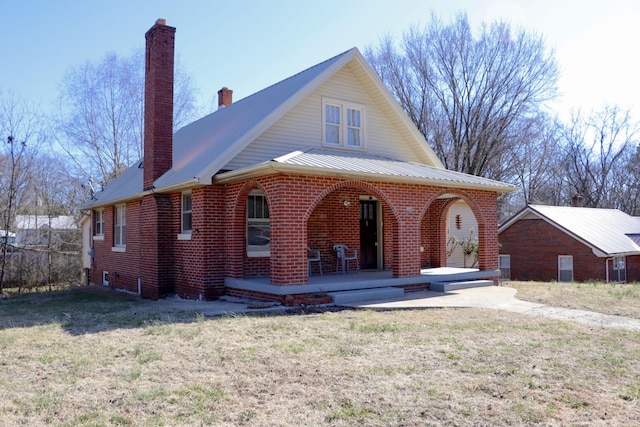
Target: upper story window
{"x": 99, "y": 222}
{"x": 343, "y": 124}
{"x": 120, "y": 226}
{"x": 186, "y": 213}
{"x": 258, "y": 225}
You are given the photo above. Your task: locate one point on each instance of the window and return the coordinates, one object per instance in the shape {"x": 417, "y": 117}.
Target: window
{"x": 619, "y": 269}
{"x": 120, "y": 226}
{"x": 504, "y": 263}
{"x": 258, "y": 225}
{"x": 565, "y": 268}
{"x": 186, "y": 213}
{"x": 99, "y": 225}
{"x": 343, "y": 124}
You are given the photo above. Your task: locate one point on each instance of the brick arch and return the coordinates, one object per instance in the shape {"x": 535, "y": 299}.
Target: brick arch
{"x": 440, "y": 217}
{"x": 235, "y": 235}
{"x": 379, "y": 194}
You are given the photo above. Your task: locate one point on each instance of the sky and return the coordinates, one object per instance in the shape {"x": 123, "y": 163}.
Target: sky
{"x": 249, "y": 45}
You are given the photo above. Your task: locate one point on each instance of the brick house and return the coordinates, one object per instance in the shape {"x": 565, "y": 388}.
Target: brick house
{"x": 570, "y": 243}
{"x": 231, "y": 203}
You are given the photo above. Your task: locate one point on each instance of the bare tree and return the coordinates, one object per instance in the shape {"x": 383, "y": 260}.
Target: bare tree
{"x": 470, "y": 96}
{"x": 599, "y": 153}
{"x": 19, "y": 123}
{"x": 101, "y": 113}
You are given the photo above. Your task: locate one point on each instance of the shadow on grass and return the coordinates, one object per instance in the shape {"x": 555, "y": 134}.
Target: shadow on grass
{"x": 81, "y": 313}
{"x": 82, "y": 310}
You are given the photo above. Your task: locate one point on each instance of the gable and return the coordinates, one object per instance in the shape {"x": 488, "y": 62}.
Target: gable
{"x": 302, "y": 126}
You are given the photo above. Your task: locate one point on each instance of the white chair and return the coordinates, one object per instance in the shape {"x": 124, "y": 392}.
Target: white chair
{"x": 344, "y": 255}
{"x": 313, "y": 255}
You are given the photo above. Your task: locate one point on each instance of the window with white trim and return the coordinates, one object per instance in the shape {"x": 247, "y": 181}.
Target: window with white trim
{"x": 504, "y": 263}
{"x": 120, "y": 226}
{"x": 99, "y": 222}
{"x": 343, "y": 124}
{"x": 619, "y": 269}
{"x": 565, "y": 268}
{"x": 186, "y": 213}
{"x": 258, "y": 225}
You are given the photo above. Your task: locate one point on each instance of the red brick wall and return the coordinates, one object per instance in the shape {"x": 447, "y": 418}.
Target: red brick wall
{"x": 123, "y": 267}
{"x": 304, "y": 211}
{"x": 534, "y": 246}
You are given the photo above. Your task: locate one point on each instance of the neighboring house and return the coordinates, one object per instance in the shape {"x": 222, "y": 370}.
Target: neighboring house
{"x": 36, "y": 229}
{"x": 7, "y": 237}
{"x": 549, "y": 243}
{"x": 230, "y": 203}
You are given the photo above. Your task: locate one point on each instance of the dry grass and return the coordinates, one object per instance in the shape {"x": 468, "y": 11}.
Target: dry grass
{"x": 71, "y": 359}
{"x": 607, "y": 298}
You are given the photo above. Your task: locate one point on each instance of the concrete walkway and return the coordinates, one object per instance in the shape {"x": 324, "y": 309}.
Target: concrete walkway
{"x": 493, "y": 297}
{"x": 500, "y": 298}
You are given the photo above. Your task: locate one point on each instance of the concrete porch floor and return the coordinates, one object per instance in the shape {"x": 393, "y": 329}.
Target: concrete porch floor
{"x": 333, "y": 282}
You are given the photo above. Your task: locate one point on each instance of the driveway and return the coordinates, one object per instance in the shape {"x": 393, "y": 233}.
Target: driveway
{"x": 500, "y": 298}
{"x": 493, "y": 297}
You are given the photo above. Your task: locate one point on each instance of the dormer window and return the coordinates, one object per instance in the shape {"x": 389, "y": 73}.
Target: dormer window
{"x": 343, "y": 124}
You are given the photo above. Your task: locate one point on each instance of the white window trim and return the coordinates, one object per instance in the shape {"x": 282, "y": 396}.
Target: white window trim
{"x": 184, "y": 232}
{"x": 255, "y": 251}
{"x": 119, "y": 247}
{"x": 344, "y": 105}
{"x": 572, "y": 269}
{"x": 97, "y": 234}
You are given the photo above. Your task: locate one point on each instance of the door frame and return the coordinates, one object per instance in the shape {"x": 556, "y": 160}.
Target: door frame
{"x": 379, "y": 229}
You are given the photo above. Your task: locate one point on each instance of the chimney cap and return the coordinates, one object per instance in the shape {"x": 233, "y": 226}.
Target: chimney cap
{"x": 161, "y": 21}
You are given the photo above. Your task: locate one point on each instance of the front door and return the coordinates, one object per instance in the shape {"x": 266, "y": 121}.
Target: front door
{"x": 368, "y": 234}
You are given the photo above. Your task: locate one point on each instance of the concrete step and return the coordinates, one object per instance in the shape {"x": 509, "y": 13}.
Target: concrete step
{"x": 345, "y": 297}
{"x": 452, "y": 286}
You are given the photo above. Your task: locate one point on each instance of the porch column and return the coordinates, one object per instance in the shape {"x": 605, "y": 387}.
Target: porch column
{"x": 288, "y": 245}
{"x": 406, "y": 251}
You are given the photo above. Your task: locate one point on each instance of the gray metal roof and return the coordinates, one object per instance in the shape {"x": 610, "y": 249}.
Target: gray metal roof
{"x": 382, "y": 167}
{"x": 608, "y": 231}
{"x": 202, "y": 148}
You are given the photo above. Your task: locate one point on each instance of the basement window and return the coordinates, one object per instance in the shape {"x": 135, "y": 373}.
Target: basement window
{"x": 258, "y": 225}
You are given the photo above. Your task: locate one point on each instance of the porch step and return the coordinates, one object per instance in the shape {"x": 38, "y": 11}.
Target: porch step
{"x": 452, "y": 286}
{"x": 344, "y": 297}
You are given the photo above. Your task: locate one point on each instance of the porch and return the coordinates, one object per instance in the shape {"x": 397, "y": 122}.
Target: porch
{"x": 373, "y": 281}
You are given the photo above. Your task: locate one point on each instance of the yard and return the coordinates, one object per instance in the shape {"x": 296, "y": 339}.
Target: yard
{"x": 72, "y": 359}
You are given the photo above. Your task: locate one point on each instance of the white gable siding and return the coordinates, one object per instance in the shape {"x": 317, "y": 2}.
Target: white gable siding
{"x": 302, "y": 126}
{"x": 467, "y": 223}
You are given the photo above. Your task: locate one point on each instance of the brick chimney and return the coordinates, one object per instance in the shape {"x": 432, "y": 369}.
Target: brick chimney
{"x": 158, "y": 102}
{"x": 225, "y": 97}
{"x": 577, "y": 201}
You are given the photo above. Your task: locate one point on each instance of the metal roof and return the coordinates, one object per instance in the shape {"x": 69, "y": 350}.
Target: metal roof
{"x": 607, "y": 231}
{"x": 382, "y": 167}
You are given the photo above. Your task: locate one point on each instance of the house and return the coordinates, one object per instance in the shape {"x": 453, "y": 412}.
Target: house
{"x": 570, "y": 243}
{"x": 7, "y": 237}
{"x": 34, "y": 230}
{"x": 231, "y": 203}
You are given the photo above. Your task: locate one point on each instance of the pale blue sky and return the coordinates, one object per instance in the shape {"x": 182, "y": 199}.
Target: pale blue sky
{"x": 248, "y": 45}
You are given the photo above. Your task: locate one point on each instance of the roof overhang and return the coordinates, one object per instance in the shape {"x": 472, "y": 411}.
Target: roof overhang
{"x": 274, "y": 167}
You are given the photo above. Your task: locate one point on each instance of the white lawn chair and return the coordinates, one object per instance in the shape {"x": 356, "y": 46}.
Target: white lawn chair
{"x": 313, "y": 255}
{"x": 344, "y": 255}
